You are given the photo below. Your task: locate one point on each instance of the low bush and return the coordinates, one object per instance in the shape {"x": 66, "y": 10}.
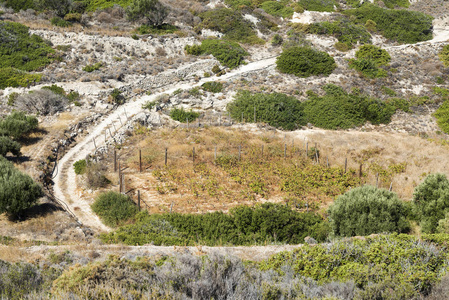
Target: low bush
{"x": 8, "y": 145}
{"x": 239, "y": 4}
{"x": 305, "y": 62}
{"x": 212, "y": 86}
{"x": 318, "y": 5}
{"x": 94, "y": 67}
{"x": 17, "y": 125}
{"x": 431, "y": 199}
{"x": 95, "y": 175}
{"x": 369, "y": 59}
{"x": 73, "y": 17}
{"x": 243, "y": 226}
{"x": 117, "y": 97}
{"x": 18, "y": 5}
{"x": 93, "y": 5}
{"x": 80, "y": 167}
{"x": 60, "y": 22}
{"x": 338, "y": 109}
{"x": 159, "y": 30}
{"x": 10, "y": 77}
{"x": 366, "y": 210}
{"x": 442, "y": 116}
{"x": 382, "y": 267}
{"x": 182, "y": 116}
{"x": 367, "y": 67}
{"x": 278, "y": 110}
{"x": 228, "y": 53}
{"x": 231, "y": 23}
{"x": 20, "y": 50}
{"x": 344, "y": 30}
{"x": 18, "y": 191}
{"x": 403, "y": 26}
{"x": 277, "y": 40}
{"x": 43, "y": 102}
{"x": 444, "y": 55}
{"x": 277, "y": 9}
{"x": 114, "y": 209}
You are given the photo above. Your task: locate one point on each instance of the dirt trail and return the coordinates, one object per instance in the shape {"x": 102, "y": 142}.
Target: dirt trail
{"x": 64, "y": 175}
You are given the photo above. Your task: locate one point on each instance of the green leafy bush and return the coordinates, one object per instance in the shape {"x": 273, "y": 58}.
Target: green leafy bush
{"x": 17, "y": 124}
{"x": 278, "y": 110}
{"x": 403, "y": 26}
{"x": 93, "y": 5}
{"x": 182, "y": 116}
{"x": 152, "y": 11}
{"x": 73, "y": 17}
{"x": 18, "y": 191}
{"x": 60, "y": 22}
{"x": 80, "y": 166}
{"x": 305, "y": 62}
{"x": 20, "y": 50}
{"x": 431, "y": 199}
{"x": 243, "y": 226}
{"x": 159, "y": 30}
{"x": 277, "y": 9}
{"x": 117, "y": 97}
{"x": 444, "y": 55}
{"x": 239, "y": 4}
{"x": 10, "y": 77}
{"x": 114, "y": 208}
{"x": 442, "y": 116}
{"x": 212, "y": 86}
{"x": 366, "y": 210}
{"x": 277, "y": 40}
{"x": 369, "y": 59}
{"x": 376, "y": 54}
{"x": 344, "y": 30}
{"x": 94, "y": 67}
{"x": 228, "y": 53}
{"x": 382, "y": 267}
{"x": 231, "y": 23}
{"x": 7, "y": 145}
{"x": 338, "y": 109}
{"x": 318, "y": 5}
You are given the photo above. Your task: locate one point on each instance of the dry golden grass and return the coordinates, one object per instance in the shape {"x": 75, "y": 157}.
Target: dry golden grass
{"x": 202, "y": 186}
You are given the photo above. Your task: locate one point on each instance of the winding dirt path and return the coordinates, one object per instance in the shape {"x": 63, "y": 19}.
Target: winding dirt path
{"x": 64, "y": 175}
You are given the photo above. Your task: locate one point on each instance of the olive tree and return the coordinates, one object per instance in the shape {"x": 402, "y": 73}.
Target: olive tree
{"x": 18, "y": 191}
{"x": 151, "y": 10}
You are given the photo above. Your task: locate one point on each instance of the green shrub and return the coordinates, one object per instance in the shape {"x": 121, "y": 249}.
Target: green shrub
{"x": 277, "y": 9}
{"x": 57, "y": 21}
{"x": 117, "y": 97}
{"x": 431, "y": 199}
{"x": 80, "y": 166}
{"x": 239, "y": 4}
{"x": 152, "y": 11}
{"x": 73, "y": 17}
{"x": 114, "y": 208}
{"x": 442, "y": 116}
{"x": 367, "y": 67}
{"x": 376, "y": 54}
{"x": 182, "y": 116}
{"x": 388, "y": 91}
{"x": 149, "y": 105}
{"x": 318, "y": 5}
{"x": 159, "y": 30}
{"x": 277, "y": 40}
{"x": 12, "y": 98}
{"x": 344, "y": 30}
{"x": 231, "y": 23}
{"x": 278, "y": 110}
{"x": 444, "y": 55}
{"x": 20, "y": 50}
{"x": 10, "y": 77}
{"x": 18, "y": 191}
{"x": 382, "y": 267}
{"x": 93, "y": 5}
{"x": 338, "y": 109}
{"x": 243, "y": 226}
{"x": 228, "y": 53}
{"x": 403, "y": 26}
{"x": 305, "y": 62}
{"x": 399, "y": 103}
{"x": 94, "y": 67}
{"x": 366, "y": 210}
{"x": 393, "y": 3}
{"x": 17, "y": 124}
{"x": 95, "y": 175}
{"x": 8, "y": 145}
{"x": 18, "y": 5}
{"x": 212, "y": 86}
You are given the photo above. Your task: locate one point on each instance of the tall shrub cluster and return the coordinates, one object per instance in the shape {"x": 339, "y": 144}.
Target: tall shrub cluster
{"x": 369, "y": 60}
{"x": 305, "y": 62}
{"x": 18, "y": 191}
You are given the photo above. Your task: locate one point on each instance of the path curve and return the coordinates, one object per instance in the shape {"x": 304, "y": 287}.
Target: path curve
{"x": 64, "y": 176}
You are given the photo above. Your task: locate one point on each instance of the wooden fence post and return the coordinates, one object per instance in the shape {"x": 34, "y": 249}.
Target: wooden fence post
{"x": 140, "y": 160}
{"x": 360, "y": 171}
{"x": 240, "y": 152}
{"x": 95, "y": 145}
{"x": 115, "y": 160}
{"x": 346, "y": 163}
{"x": 187, "y": 119}
{"x": 307, "y": 149}
{"x": 377, "y": 180}
{"x": 193, "y": 155}
{"x": 138, "y": 199}
{"x": 262, "y": 152}
{"x": 285, "y": 150}
{"x": 166, "y": 156}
